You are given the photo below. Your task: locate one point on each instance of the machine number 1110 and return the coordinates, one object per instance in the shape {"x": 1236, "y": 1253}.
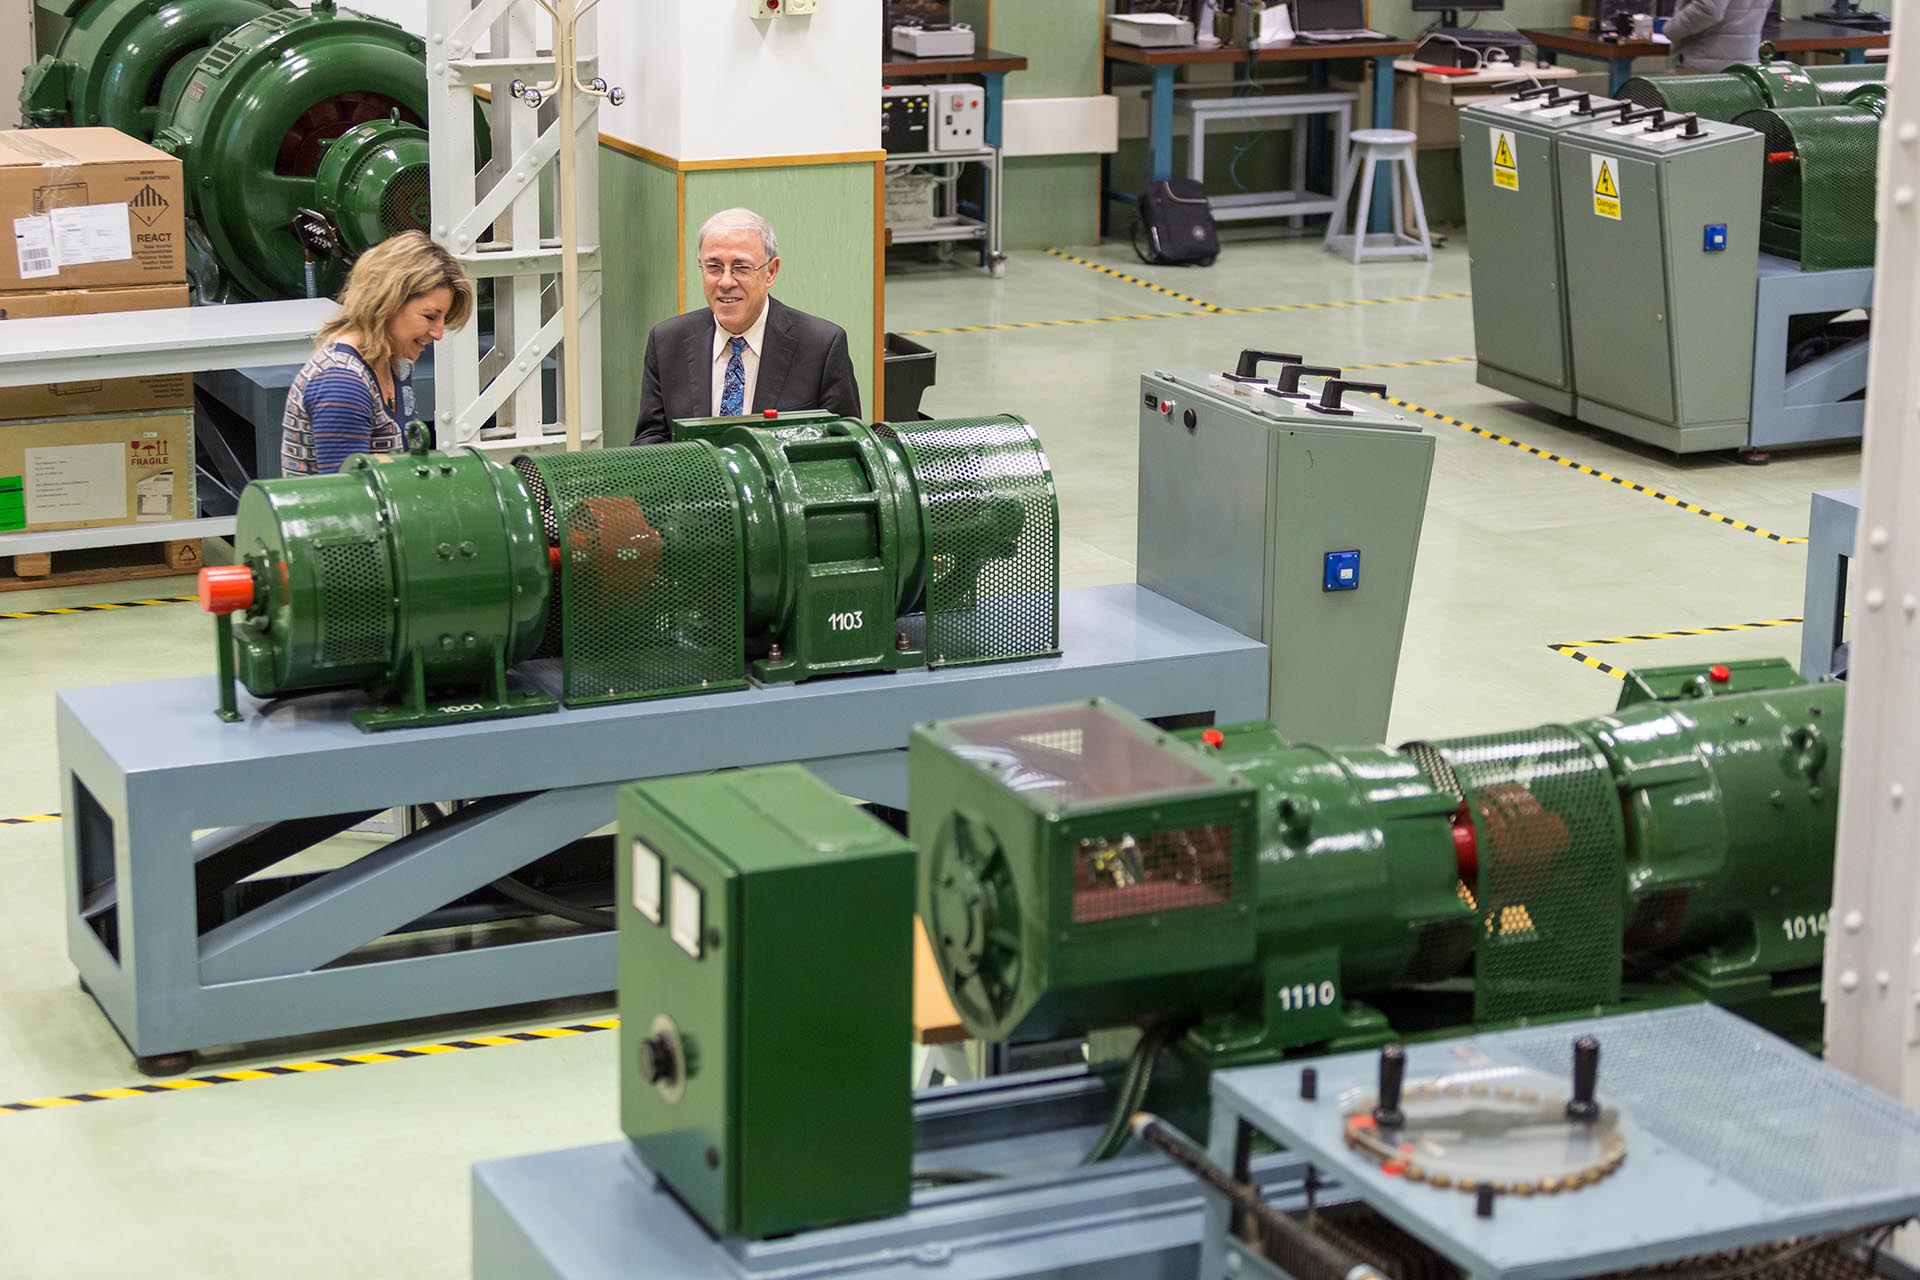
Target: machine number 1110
{"x": 1308, "y": 995}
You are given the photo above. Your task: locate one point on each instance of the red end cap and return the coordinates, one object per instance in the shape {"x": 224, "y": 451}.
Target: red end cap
{"x": 1213, "y": 738}
{"x": 769, "y": 413}
{"x": 1466, "y": 845}
{"x": 1719, "y": 675}
{"x": 226, "y": 588}
{"x": 553, "y": 559}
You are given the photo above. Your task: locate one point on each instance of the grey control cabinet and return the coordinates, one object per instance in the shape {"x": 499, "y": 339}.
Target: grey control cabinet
{"x": 1662, "y": 247}
{"x": 1252, "y": 508}
{"x": 1511, "y": 178}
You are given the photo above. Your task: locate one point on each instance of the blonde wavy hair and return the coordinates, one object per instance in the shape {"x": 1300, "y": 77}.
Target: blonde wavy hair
{"x": 386, "y": 278}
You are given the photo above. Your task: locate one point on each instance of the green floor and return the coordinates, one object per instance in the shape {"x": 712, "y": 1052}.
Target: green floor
{"x": 363, "y": 1170}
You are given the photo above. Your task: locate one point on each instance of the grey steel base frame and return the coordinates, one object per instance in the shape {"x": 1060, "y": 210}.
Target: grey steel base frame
{"x": 1832, "y": 522}
{"x": 596, "y": 1213}
{"x": 1820, "y": 400}
{"x": 154, "y": 784}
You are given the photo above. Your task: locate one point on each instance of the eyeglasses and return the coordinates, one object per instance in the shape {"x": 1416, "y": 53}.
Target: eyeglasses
{"x": 738, "y": 270}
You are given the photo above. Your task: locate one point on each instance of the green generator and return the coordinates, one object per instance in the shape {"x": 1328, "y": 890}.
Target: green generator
{"x": 1662, "y": 227}
{"x": 766, "y": 978}
{"x": 777, "y": 550}
{"x": 1510, "y": 158}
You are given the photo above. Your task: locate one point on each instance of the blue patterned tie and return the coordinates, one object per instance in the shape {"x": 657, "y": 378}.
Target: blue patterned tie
{"x": 733, "y": 394}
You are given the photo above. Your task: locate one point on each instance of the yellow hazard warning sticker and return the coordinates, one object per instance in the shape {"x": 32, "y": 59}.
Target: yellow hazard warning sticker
{"x": 1506, "y": 162}
{"x": 1606, "y": 187}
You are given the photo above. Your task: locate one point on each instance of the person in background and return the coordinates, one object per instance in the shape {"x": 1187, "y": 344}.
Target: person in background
{"x": 745, "y": 351}
{"x": 1711, "y": 35}
{"x": 356, "y": 394}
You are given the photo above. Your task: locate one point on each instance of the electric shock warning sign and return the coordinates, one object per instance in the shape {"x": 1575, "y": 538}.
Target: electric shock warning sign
{"x": 1506, "y": 164}
{"x": 1606, "y": 187}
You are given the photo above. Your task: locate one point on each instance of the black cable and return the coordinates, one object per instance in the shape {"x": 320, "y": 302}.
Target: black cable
{"x": 951, "y": 1177}
{"x": 1132, "y": 1093}
{"x": 547, "y": 904}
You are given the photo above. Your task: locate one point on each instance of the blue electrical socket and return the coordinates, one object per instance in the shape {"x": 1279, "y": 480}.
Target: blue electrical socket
{"x": 1342, "y": 572}
{"x": 1716, "y": 238}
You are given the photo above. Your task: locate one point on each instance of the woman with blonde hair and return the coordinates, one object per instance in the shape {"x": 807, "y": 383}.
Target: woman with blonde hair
{"x": 356, "y": 394}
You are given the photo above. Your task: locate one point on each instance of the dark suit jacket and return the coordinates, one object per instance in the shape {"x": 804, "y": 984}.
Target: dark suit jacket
{"x": 803, "y": 365}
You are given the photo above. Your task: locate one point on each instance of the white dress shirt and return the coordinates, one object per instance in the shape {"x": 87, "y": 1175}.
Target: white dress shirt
{"x": 723, "y": 352}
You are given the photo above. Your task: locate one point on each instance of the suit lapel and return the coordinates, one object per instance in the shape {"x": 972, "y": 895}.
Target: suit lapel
{"x": 700, "y": 368}
{"x": 776, "y": 357}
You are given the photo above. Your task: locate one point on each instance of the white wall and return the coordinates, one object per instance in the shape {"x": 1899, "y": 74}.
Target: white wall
{"x": 708, "y": 82}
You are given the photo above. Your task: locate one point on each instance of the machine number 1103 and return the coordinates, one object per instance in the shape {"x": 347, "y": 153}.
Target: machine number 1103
{"x": 1800, "y": 928}
{"x": 1308, "y": 995}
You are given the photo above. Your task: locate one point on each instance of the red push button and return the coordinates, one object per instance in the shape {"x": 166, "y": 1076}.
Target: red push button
{"x": 1719, "y": 675}
{"x": 769, "y": 413}
{"x": 1213, "y": 738}
{"x": 226, "y": 588}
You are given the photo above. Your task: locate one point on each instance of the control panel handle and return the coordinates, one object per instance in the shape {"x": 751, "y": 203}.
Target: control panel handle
{"x": 1329, "y": 401}
{"x": 1251, "y": 360}
{"x": 1288, "y": 383}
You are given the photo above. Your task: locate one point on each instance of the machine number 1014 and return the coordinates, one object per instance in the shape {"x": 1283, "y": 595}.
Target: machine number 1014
{"x": 1800, "y": 928}
{"x": 1308, "y": 995}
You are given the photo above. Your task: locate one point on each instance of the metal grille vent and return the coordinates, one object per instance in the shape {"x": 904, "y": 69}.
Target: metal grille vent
{"x": 652, "y": 586}
{"x": 543, "y": 504}
{"x": 1818, "y": 194}
{"x": 1128, "y": 875}
{"x": 1547, "y": 816}
{"x": 993, "y": 538}
{"x": 405, "y": 204}
{"x": 357, "y": 604}
{"x": 1713, "y": 97}
{"x": 1751, "y": 1108}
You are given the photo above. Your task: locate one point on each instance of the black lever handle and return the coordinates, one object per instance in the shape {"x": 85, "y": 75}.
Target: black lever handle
{"x": 1583, "y": 104}
{"x": 1288, "y": 383}
{"x": 1329, "y": 401}
{"x": 1691, "y": 121}
{"x": 1624, "y": 109}
{"x": 1251, "y": 360}
{"x": 1651, "y": 113}
{"x": 1586, "y": 1077}
{"x": 1393, "y": 1073}
{"x": 1537, "y": 91}
{"x": 1514, "y": 87}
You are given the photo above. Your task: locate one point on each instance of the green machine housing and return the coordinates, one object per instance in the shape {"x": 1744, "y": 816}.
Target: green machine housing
{"x": 782, "y": 550}
{"x": 1081, "y": 869}
{"x": 766, "y": 973}
{"x": 1510, "y": 165}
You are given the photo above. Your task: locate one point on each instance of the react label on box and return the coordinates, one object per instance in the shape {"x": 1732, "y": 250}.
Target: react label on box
{"x": 1506, "y": 160}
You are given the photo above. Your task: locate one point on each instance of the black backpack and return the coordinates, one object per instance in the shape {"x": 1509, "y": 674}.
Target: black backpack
{"x": 1175, "y": 224}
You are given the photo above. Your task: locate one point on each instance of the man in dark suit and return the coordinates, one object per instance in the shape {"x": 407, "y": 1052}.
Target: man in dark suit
{"x": 744, "y": 352}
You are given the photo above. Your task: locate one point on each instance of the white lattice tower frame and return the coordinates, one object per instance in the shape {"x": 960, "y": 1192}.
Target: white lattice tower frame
{"x": 1872, "y": 981}
{"x": 491, "y": 219}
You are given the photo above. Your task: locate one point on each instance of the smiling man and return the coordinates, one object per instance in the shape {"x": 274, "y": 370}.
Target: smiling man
{"x": 745, "y": 351}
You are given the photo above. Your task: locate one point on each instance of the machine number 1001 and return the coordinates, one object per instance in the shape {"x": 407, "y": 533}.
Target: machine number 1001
{"x": 1308, "y": 995}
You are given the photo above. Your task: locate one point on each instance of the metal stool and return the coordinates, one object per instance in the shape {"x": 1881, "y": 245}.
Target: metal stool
{"x": 1371, "y": 149}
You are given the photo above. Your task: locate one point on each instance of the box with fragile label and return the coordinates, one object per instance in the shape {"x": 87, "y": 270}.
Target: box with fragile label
{"x": 81, "y": 473}
{"x": 95, "y": 397}
{"x": 88, "y": 209}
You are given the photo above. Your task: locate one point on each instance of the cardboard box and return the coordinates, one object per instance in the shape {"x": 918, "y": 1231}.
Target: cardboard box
{"x": 99, "y": 397}
{"x": 82, "y": 473}
{"x": 88, "y": 209}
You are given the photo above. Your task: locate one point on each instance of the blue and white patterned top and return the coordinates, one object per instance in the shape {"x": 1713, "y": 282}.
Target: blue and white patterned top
{"x": 335, "y": 410}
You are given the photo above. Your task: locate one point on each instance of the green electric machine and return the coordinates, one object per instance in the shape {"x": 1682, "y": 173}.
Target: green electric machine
{"x": 1235, "y": 897}
{"x": 1510, "y": 162}
{"x": 778, "y": 550}
{"x": 300, "y": 131}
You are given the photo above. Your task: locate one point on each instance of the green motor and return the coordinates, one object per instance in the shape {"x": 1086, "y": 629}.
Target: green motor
{"x": 119, "y": 59}
{"x": 779, "y": 550}
{"x": 259, "y": 114}
{"x": 1819, "y": 193}
{"x": 1081, "y": 869}
{"x": 1744, "y": 87}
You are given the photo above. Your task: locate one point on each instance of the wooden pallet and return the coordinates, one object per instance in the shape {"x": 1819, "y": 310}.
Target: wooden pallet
{"x": 39, "y": 569}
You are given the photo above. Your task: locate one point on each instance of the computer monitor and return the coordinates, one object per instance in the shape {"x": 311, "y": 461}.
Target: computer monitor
{"x": 1450, "y": 10}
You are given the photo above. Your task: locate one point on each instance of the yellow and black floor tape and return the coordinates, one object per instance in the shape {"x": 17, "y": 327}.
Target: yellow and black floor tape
{"x": 95, "y": 608}
{"x": 1595, "y": 472}
{"x": 30, "y": 817}
{"x": 1053, "y": 324}
{"x": 155, "y": 1088}
{"x": 1104, "y": 270}
{"x": 1577, "y": 649}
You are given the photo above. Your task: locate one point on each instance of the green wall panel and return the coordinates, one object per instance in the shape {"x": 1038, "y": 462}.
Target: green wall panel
{"x": 824, "y": 216}
{"x": 637, "y": 281}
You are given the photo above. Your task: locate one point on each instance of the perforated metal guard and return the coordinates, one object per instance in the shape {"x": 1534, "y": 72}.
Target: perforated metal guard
{"x": 1749, "y": 1107}
{"x": 356, "y": 609}
{"x": 1160, "y": 871}
{"x": 1546, "y": 814}
{"x": 1837, "y": 81}
{"x": 543, "y": 504}
{"x": 993, "y": 538}
{"x": 405, "y": 205}
{"x": 1824, "y": 199}
{"x": 1712, "y": 97}
{"x": 651, "y": 583}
